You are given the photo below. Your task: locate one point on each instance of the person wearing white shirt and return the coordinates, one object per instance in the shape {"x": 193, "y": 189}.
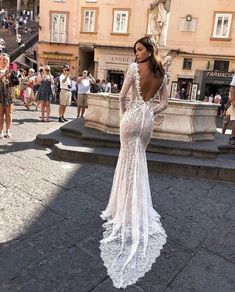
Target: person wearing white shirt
{"x": 65, "y": 92}
{"x": 84, "y": 86}
{"x": 108, "y": 86}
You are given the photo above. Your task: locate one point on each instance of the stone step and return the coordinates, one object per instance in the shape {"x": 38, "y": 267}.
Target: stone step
{"x": 76, "y": 149}
{"x": 205, "y": 149}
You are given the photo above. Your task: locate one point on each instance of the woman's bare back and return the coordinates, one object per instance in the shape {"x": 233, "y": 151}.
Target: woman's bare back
{"x": 149, "y": 84}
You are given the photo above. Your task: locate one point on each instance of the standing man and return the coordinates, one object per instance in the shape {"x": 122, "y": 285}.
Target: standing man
{"x": 232, "y": 114}
{"x": 84, "y": 86}
{"x": 65, "y": 92}
{"x": 108, "y": 86}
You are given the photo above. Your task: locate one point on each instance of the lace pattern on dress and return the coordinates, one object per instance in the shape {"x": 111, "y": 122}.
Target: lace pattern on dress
{"x": 133, "y": 235}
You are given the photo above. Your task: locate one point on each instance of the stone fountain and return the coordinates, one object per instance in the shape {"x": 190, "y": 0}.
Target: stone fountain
{"x": 182, "y": 121}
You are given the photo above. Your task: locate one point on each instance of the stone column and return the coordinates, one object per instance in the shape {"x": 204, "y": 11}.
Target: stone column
{"x": 18, "y": 6}
{"x": 26, "y": 4}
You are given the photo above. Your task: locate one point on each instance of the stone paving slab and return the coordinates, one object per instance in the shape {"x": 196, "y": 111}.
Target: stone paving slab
{"x": 50, "y": 227}
{"x": 16, "y": 257}
{"x": 19, "y": 215}
{"x": 205, "y": 272}
{"x": 188, "y": 233}
{"x": 221, "y": 240}
{"x": 174, "y": 257}
{"x": 61, "y": 273}
{"x": 223, "y": 192}
{"x": 212, "y": 211}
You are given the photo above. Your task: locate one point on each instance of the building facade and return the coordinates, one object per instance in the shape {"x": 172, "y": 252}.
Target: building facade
{"x": 97, "y": 35}
{"x": 201, "y": 39}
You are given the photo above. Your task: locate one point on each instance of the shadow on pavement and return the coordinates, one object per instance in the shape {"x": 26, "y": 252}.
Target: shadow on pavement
{"x": 50, "y": 240}
{"x": 12, "y": 146}
{"x": 56, "y": 247}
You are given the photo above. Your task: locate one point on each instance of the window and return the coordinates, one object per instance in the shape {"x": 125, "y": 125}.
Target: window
{"x": 91, "y": 1}
{"x": 221, "y": 65}
{"x": 89, "y": 20}
{"x": 187, "y": 64}
{"x": 222, "y": 25}
{"x": 120, "y": 21}
{"x": 58, "y": 28}
{"x": 59, "y": 0}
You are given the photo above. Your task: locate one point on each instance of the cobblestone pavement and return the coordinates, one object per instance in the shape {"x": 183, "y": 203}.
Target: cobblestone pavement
{"x": 50, "y": 226}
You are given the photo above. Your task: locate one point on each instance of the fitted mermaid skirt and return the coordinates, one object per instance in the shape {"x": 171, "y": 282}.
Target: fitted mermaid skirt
{"x": 133, "y": 235}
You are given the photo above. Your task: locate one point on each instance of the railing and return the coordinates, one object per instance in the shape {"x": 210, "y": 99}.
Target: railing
{"x": 24, "y": 47}
{"x": 58, "y": 37}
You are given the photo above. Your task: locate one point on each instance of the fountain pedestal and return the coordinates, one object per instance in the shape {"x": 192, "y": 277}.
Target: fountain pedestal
{"x": 181, "y": 121}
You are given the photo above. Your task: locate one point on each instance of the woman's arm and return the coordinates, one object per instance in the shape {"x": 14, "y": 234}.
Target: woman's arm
{"x": 92, "y": 79}
{"x": 163, "y": 99}
{"x": 232, "y": 91}
{"x": 51, "y": 79}
{"x": 126, "y": 85}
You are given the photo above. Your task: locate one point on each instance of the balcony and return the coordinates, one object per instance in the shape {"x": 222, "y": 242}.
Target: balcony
{"x": 58, "y": 37}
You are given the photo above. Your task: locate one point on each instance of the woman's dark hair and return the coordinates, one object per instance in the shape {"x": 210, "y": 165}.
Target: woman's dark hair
{"x": 155, "y": 62}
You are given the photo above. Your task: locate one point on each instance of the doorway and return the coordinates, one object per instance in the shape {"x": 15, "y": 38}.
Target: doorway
{"x": 185, "y": 87}
{"x": 116, "y": 77}
{"x": 86, "y": 60}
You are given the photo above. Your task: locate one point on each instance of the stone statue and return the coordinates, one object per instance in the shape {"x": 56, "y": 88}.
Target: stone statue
{"x": 159, "y": 13}
{"x": 26, "y": 4}
{"x": 166, "y": 63}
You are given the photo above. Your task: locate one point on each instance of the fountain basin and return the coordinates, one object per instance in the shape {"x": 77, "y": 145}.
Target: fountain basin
{"x": 182, "y": 120}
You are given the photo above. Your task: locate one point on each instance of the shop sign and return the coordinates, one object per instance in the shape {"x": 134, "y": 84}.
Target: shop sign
{"x": 216, "y": 74}
{"x": 121, "y": 59}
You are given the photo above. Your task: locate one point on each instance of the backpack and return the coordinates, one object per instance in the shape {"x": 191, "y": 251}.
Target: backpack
{"x": 14, "y": 78}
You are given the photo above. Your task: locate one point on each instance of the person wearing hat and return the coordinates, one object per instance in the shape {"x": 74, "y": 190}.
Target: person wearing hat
{"x": 65, "y": 92}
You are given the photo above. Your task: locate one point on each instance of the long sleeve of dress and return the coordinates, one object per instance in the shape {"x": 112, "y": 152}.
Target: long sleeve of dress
{"x": 126, "y": 86}
{"x": 163, "y": 98}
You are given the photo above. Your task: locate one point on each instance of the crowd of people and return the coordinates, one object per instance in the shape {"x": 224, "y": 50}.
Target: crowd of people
{"x": 16, "y": 24}
{"x": 36, "y": 90}
{"x": 218, "y": 98}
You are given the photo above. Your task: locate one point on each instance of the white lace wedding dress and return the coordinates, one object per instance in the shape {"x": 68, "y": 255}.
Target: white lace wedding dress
{"x": 133, "y": 235}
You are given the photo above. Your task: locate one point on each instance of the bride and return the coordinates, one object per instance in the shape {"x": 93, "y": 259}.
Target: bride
{"x": 133, "y": 235}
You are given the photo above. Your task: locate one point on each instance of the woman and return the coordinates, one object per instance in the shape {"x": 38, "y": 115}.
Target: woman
{"x": 45, "y": 82}
{"x": 29, "y": 90}
{"x": 6, "y": 102}
{"x": 133, "y": 234}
